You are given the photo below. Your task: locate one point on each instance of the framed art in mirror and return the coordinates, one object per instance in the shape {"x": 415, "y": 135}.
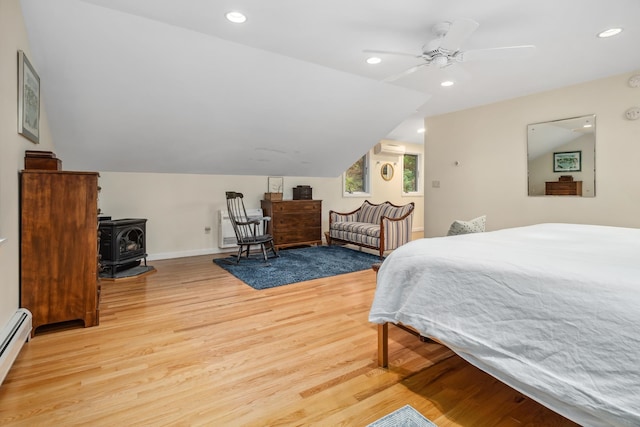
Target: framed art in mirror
{"x": 567, "y": 161}
{"x": 28, "y": 99}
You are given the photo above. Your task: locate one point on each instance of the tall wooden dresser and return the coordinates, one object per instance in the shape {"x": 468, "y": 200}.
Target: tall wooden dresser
{"x": 59, "y": 246}
{"x": 294, "y": 222}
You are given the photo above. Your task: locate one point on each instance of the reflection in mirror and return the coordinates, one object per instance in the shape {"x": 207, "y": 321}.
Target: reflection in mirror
{"x": 561, "y": 157}
{"x": 387, "y": 171}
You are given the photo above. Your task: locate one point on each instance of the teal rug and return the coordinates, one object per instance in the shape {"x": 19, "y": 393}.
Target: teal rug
{"x": 297, "y": 265}
{"x": 403, "y": 417}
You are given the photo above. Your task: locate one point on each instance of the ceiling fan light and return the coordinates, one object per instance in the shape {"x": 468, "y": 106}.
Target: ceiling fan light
{"x": 609, "y": 32}
{"x": 440, "y": 61}
{"x": 374, "y": 60}
{"x": 236, "y": 17}
{"x": 447, "y": 83}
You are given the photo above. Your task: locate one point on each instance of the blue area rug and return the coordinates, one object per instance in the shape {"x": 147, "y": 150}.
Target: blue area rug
{"x": 403, "y": 417}
{"x": 297, "y": 265}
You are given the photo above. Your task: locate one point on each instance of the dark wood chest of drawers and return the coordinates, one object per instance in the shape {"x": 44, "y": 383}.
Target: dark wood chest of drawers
{"x": 294, "y": 222}
{"x": 59, "y": 246}
{"x": 563, "y": 188}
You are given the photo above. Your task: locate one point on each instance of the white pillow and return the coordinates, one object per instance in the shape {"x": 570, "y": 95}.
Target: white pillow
{"x": 476, "y": 225}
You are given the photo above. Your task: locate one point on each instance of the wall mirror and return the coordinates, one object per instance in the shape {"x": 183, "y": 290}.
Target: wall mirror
{"x": 387, "y": 171}
{"x": 561, "y": 157}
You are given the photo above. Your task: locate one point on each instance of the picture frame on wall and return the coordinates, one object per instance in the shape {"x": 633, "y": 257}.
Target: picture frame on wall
{"x": 567, "y": 161}
{"x": 275, "y": 184}
{"x": 28, "y": 99}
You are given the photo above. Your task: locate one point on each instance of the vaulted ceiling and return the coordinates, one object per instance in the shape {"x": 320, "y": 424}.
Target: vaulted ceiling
{"x": 172, "y": 86}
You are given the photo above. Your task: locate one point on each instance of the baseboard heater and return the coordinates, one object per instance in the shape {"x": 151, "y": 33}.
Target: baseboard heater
{"x": 13, "y": 337}
{"x": 226, "y": 235}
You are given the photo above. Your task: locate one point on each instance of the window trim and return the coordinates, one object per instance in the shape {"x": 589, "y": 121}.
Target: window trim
{"x": 367, "y": 180}
{"x": 419, "y": 178}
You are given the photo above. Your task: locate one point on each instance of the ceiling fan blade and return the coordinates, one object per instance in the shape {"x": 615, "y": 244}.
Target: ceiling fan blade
{"x": 507, "y": 52}
{"x": 458, "y": 32}
{"x": 390, "y": 52}
{"x": 404, "y": 73}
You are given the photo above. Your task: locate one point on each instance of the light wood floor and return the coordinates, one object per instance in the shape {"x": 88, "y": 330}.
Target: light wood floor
{"x": 192, "y": 345}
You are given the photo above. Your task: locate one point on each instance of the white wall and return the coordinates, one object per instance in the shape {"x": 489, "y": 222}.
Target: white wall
{"x": 13, "y": 37}
{"x": 490, "y": 145}
{"x": 180, "y": 206}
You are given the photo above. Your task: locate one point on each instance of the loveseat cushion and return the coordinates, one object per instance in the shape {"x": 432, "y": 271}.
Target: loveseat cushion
{"x": 363, "y": 228}
{"x": 372, "y": 213}
{"x": 337, "y": 217}
{"x": 355, "y": 238}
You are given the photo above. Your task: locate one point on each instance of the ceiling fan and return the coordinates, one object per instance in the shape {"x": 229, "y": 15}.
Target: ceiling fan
{"x": 444, "y": 50}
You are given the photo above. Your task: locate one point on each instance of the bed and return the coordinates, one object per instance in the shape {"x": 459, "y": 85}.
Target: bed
{"x": 552, "y": 310}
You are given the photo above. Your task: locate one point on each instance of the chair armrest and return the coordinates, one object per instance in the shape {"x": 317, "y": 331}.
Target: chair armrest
{"x": 257, "y": 220}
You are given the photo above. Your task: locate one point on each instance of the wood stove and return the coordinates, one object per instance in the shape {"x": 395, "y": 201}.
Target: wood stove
{"x": 122, "y": 245}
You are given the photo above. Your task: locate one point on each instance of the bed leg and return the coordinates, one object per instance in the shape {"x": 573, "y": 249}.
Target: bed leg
{"x": 383, "y": 345}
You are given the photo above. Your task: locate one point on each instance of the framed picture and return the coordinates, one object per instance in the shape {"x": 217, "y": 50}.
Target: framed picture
{"x": 275, "y": 184}
{"x": 28, "y": 99}
{"x": 567, "y": 161}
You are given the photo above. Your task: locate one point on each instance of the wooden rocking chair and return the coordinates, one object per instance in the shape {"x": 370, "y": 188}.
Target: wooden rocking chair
{"x": 249, "y": 231}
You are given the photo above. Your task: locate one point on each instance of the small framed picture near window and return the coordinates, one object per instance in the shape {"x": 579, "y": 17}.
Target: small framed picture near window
{"x": 567, "y": 161}
{"x": 28, "y": 99}
{"x": 275, "y": 184}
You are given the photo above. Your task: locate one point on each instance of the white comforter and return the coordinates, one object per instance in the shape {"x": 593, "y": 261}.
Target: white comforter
{"x": 552, "y": 310}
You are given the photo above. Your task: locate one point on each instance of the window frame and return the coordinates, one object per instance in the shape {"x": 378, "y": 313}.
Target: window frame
{"x": 366, "y": 179}
{"x": 419, "y": 175}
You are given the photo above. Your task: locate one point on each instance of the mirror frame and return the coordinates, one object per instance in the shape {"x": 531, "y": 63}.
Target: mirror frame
{"x": 547, "y": 142}
{"x": 386, "y": 171}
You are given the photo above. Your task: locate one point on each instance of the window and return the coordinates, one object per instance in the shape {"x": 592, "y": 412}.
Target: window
{"x": 356, "y": 178}
{"x": 411, "y": 175}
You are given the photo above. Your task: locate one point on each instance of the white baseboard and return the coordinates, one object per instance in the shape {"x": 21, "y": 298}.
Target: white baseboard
{"x": 195, "y": 252}
{"x": 212, "y": 251}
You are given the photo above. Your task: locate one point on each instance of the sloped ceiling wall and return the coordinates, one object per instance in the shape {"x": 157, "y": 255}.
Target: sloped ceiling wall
{"x": 171, "y": 86}
{"x": 125, "y": 93}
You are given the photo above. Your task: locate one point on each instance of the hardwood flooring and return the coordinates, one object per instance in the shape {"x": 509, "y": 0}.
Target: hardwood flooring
{"x": 192, "y": 345}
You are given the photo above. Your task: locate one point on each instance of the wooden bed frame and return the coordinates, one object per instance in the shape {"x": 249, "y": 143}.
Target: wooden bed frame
{"x": 383, "y": 341}
{"x": 383, "y": 334}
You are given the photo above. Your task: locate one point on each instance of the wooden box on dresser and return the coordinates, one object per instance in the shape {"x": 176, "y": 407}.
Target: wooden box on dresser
{"x": 59, "y": 246}
{"x": 294, "y": 222}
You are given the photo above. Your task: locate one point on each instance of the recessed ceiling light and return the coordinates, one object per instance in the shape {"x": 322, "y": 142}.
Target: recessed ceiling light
{"x": 236, "y": 17}
{"x": 374, "y": 60}
{"x": 446, "y": 83}
{"x": 422, "y": 130}
{"x": 610, "y": 32}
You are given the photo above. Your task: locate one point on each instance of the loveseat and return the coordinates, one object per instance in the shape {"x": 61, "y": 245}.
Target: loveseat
{"x": 383, "y": 227}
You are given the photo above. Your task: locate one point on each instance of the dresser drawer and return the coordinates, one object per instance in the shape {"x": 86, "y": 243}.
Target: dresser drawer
{"x": 300, "y": 235}
{"x": 563, "y": 188}
{"x": 297, "y": 206}
{"x": 291, "y": 220}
